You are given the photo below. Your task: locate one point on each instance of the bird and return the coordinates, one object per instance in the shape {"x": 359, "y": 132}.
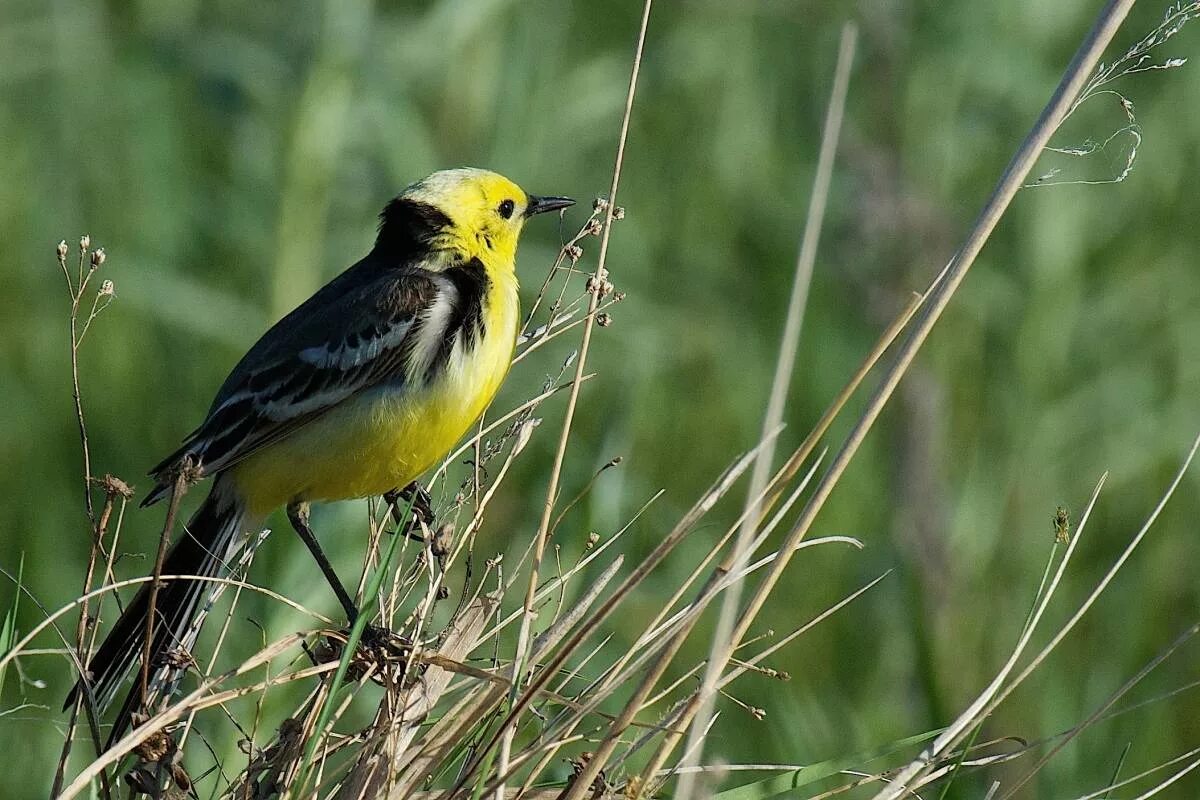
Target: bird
{"x": 355, "y": 393}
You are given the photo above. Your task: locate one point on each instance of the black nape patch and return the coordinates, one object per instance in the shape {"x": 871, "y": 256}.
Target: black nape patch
{"x": 405, "y": 223}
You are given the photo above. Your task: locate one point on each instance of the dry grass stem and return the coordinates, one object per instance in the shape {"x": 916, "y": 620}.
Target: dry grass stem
{"x": 722, "y": 645}
{"x": 596, "y": 283}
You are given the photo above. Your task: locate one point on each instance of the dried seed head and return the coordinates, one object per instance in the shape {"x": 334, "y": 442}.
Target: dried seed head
{"x": 85, "y": 242}
{"x": 155, "y": 748}
{"x": 107, "y": 289}
{"x": 574, "y": 252}
{"x": 619, "y": 212}
{"x": 1062, "y": 525}
{"x": 98, "y": 258}
{"x": 599, "y": 204}
{"x": 603, "y": 320}
{"x": 593, "y": 227}
{"x": 592, "y": 540}
{"x": 62, "y": 249}
{"x": 599, "y": 283}
{"x": 618, "y": 297}
{"x": 111, "y": 483}
{"x": 443, "y": 540}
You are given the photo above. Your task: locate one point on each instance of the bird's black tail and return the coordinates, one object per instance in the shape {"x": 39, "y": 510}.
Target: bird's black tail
{"x": 207, "y": 541}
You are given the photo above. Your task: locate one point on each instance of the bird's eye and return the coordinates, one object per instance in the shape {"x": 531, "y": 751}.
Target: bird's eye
{"x": 506, "y": 208}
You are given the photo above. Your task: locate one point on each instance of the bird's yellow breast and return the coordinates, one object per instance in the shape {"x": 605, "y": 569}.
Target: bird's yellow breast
{"x": 385, "y": 438}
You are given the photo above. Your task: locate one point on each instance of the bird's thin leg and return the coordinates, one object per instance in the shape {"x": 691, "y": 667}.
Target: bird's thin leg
{"x": 298, "y": 516}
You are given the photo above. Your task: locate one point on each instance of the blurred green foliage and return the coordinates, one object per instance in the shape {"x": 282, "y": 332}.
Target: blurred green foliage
{"x": 232, "y": 156}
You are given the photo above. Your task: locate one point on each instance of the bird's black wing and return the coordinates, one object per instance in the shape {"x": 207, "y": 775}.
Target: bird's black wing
{"x": 363, "y": 329}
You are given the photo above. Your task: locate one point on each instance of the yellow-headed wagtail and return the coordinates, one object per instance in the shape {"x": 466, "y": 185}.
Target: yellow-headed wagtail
{"x": 355, "y": 393}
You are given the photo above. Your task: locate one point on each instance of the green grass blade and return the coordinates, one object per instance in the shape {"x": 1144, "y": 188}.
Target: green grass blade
{"x": 779, "y": 785}
{"x": 365, "y": 613}
{"x": 8, "y": 630}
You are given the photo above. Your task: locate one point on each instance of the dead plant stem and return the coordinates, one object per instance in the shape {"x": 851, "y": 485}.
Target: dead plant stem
{"x": 788, "y": 347}
{"x": 937, "y": 298}
{"x": 177, "y": 492}
{"x": 597, "y": 282}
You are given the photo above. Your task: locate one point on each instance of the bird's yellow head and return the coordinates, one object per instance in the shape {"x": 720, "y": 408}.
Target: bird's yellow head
{"x": 472, "y": 211}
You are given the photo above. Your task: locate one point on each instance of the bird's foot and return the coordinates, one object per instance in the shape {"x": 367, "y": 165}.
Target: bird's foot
{"x": 412, "y": 497}
{"x": 381, "y": 652}
{"x": 420, "y": 521}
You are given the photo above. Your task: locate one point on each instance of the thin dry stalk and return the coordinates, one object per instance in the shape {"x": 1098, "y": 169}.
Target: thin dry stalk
{"x": 1073, "y": 80}
{"x": 177, "y": 491}
{"x": 569, "y": 250}
{"x": 384, "y": 758}
{"x": 87, "y": 267}
{"x": 653, "y": 629}
{"x": 775, "y": 489}
{"x": 1102, "y": 710}
{"x": 596, "y": 286}
{"x": 558, "y": 582}
{"x": 996, "y": 692}
{"x": 741, "y": 668}
{"x": 661, "y": 625}
{"x": 788, "y": 347}
{"x": 244, "y": 560}
{"x": 962, "y": 726}
{"x": 50, "y": 618}
{"x": 199, "y": 698}
{"x": 437, "y": 741}
{"x": 597, "y": 618}
{"x": 114, "y": 488}
{"x": 791, "y": 467}
{"x": 939, "y": 294}
{"x": 1107, "y": 790}
{"x": 666, "y": 652}
{"x": 1150, "y": 793}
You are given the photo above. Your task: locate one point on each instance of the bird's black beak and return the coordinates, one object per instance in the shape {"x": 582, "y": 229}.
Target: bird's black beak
{"x": 540, "y": 205}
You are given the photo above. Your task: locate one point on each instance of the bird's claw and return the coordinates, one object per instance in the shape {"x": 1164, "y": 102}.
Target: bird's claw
{"x": 412, "y": 497}
{"x": 380, "y": 652}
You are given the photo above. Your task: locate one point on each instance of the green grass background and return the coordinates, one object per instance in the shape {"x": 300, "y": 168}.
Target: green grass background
{"x": 231, "y": 157}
